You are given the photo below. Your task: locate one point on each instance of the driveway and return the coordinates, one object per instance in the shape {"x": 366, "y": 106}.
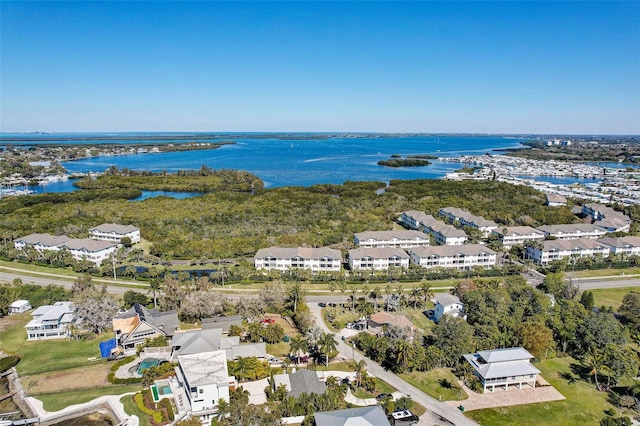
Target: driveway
{"x": 435, "y": 408}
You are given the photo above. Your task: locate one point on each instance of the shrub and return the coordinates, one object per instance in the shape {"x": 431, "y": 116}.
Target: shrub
{"x": 156, "y": 416}
{"x": 8, "y": 362}
{"x": 116, "y": 381}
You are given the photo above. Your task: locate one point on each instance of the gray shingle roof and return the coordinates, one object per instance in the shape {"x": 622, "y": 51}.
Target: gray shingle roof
{"x": 365, "y": 416}
{"x": 115, "y": 228}
{"x": 303, "y": 252}
{"x": 306, "y": 381}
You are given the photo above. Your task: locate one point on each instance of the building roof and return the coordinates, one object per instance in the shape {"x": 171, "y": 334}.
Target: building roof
{"x": 204, "y": 368}
{"x": 556, "y": 198}
{"x": 446, "y": 299}
{"x": 389, "y": 318}
{"x": 580, "y": 243}
{"x": 166, "y": 321}
{"x": 115, "y": 228}
{"x": 19, "y": 304}
{"x": 306, "y": 381}
{"x": 87, "y": 244}
{"x": 258, "y": 350}
{"x": 44, "y": 239}
{"x": 520, "y": 230}
{"x": 378, "y": 253}
{"x": 52, "y": 312}
{"x": 448, "y": 231}
{"x": 418, "y": 216}
{"x": 199, "y": 341}
{"x": 498, "y": 363}
{"x": 364, "y": 416}
{"x": 303, "y": 252}
{"x": 621, "y": 242}
{"x": 224, "y": 323}
{"x": 568, "y": 228}
{"x": 448, "y": 251}
{"x": 401, "y": 234}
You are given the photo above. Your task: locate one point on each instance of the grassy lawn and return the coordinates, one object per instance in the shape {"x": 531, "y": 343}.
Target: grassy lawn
{"x": 58, "y": 401}
{"x": 49, "y": 355}
{"x": 606, "y": 272}
{"x": 583, "y": 406}
{"x": 131, "y": 409}
{"x": 340, "y": 317}
{"x": 87, "y": 377}
{"x": 418, "y": 318}
{"x": 381, "y": 387}
{"x": 281, "y": 349}
{"x": 611, "y": 296}
{"x": 430, "y": 383}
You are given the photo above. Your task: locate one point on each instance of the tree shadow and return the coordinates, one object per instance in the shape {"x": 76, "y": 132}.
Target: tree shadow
{"x": 581, "y": 371}
{"x": 569, "y": 377}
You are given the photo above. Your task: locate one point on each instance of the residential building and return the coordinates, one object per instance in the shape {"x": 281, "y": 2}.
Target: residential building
{"x": 607, "y": 218}
{"x": 301, "y": 381}
{"x": 51, "y": 321}
{"x": 501, "y": 368}
{"x": 467, "y": 219}
{"x": 628, "y": 245}
{"x": 19, "y": 306}
{"x": 464, "y": 257}
{"x": 443, "y": 233}
{"x": 224, "y": 323}
{"x": 448, "y": 304}
{"x": 377, "y": 258}
{"x": 556, "y": 200}
{"x": 396, "y": 238}
{"x": 80, "y": 249}
{"x": 205, "y": 380}
{"x": 363, "y": 416}
{"x": 212, "y": 339}
{"x": 512, "y": 235}
{"x": 322, "y": 259}
{"x": 414, "y": 219}
{"x": 115, "y": 233}
{"x": 133, "y": 327}
{"x": 572, "y": 231}
{"x": 379, "y": 320}
{"x": 551, "y": 250}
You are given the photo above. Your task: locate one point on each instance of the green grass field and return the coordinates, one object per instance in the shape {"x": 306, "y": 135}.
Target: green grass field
{"x": 48, "y": 355}
{"x": 611, "y": 296}
{"x": 58, "y": 401}
{"x": 622, "y": 272}
{"x": 584, "y": 404}
{"x": 430, "y": 383}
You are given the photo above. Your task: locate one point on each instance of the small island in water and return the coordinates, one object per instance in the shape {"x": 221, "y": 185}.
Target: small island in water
{"x": 396, "y": 160}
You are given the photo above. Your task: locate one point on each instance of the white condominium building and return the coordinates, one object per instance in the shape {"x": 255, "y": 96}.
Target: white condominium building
{"x": 378, "y": 258}
{"x": 401, "y": 239}
{"x": 322, "y": 259}
{"x": 462, "y": 257}
{"x": 561, "y": 249}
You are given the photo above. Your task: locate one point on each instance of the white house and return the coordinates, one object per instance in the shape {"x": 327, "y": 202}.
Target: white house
{"x": 378, "y": 259}
{"x": 205, "y": 380}
{"x": 80, "y": 249}
{"x": 513, "y": 235}
{"x": 447, "y": 304}
{"x": 397, "y": 238}
{"x": 51, "y": 321}
{"x": 19, "y": 306}
{"x": 561, "y": 249}
{"x": 322, "y": 259}
{"x": 467, "y": 219}
{"x": 628, "y": 245}
{"x": 115, "y": 233}
{"x": 572, "y": 231}
{"x": 501, "y": 368}
{"x": 463, "y": 257}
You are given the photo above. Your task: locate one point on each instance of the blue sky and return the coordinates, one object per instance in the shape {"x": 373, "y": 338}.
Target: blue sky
{"x": 473, "y": 67}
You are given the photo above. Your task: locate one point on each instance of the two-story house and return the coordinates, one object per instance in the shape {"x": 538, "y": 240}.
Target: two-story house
{"x": 51, "y": 321}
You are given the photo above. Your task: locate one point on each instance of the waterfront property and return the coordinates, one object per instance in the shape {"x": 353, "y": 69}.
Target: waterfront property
{"x": 572, "y": 231}
{"x": 464, "y": 257}
{"x": 512, "y": 235}
{"x": 51, "y": 321}
{"x": 133, "y": 327}
{"x": 501, "y": 368}
{"x": 448, "y": 304}
{"x": 115, "y": 233}
{"x": 80, "y": 248}
{"x": 467, "y": 219}
{"x": 551, "y": 250}
{"x": 396, "y": 238}
{"x": 322, "y": 259}
{"x": 19, "y": 306}
{"x": 204, "y": 379}
{"x": 378, "y": 258}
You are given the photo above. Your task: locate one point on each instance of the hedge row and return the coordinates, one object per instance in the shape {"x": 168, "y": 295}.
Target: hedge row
{"x": 116, "y": 381}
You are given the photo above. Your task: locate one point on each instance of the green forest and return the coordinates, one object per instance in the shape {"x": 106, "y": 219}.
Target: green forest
{"x": 238, "y": 216}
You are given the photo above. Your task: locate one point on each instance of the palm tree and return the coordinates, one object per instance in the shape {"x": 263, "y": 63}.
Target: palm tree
{"x": 387, "y": 290}
{"x": 415, "y": 294}
{"x": 375, "y": 294}
{"x": 298, "y": 345}
{"x": 327, "y": 344}
{"x": 223, "y": 408}
{"x": 358, "y": 367}
{"x": 425, "y": 289}
{"x": 594, "y": 361}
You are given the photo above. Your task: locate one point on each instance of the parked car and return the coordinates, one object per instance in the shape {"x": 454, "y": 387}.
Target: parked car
{"x": 322, "y": 304}
{"x": 383, "y": 396}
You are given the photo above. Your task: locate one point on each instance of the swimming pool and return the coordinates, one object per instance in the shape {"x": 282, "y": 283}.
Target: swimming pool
{"x": 147, "y": 363}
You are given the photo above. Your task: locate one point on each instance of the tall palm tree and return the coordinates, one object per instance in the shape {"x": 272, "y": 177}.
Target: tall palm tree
{"x": 297, "y": 345}
{"x": 388, "y": 290}
{"x": 375, "y": 294}
{"x": 425, "y": 289}
{"x": 327, "y": 344}
{"x": 594, "y": 361}
{"x": 358, "y": 367}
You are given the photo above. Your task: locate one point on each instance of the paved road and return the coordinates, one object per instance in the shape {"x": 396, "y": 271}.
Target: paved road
{"x": 606, "y": 282}
{"x": 452, "y": 414}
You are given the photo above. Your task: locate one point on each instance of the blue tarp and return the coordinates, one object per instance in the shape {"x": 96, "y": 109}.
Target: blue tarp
{"x": 106, "y": 347}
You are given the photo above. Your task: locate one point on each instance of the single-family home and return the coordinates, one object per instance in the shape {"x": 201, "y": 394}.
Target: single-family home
{"x": 222, "y": 322}
{"x": 205, "y": 380}
{"x": 629, "y": 245}
{"x": 115, "y": 233}
{"x": 447, "y": 304}
{"x": 464, "y": 257}
{"x": 134, "y": 326}
{"x": 321, "y": 259}
{"x": 51, "y": 321}
{"x": 501, "y": 368}
{"x": 403, "y": 238}
{"x": 212, "y": 339}
{"x": 572, "y": 231}
{"x": 379, "y": 320}
{"x": 556, "y": 200}
{"x": 301, "y": 381}
{"x": 362, "y": 416}
{"x": 19, "y": 306}
{"x": 512, "y": 235}
{"x": 551, "y": 250}
{"x": 377, "y": 258}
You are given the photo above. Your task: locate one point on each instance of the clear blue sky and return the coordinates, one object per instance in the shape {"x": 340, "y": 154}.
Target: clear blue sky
{"x": 494, "y": 67}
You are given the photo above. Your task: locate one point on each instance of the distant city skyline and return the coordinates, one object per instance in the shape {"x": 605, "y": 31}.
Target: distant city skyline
{"x": 399, "y": 67}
